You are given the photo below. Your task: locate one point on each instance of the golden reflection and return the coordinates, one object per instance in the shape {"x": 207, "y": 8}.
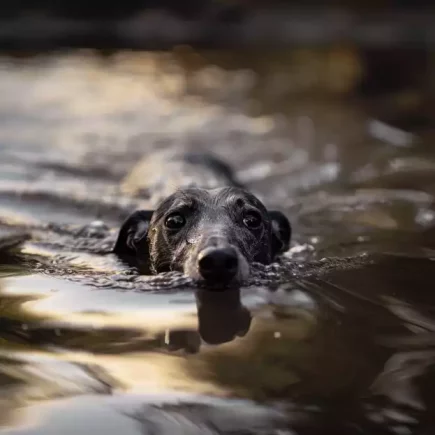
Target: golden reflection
{"x": 210, "y": 343}
{"x": 102, "y": 317}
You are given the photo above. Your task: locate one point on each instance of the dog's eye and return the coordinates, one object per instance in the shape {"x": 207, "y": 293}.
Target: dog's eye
{"x": 252, "y": 220}
{"x": 175, "y": 221}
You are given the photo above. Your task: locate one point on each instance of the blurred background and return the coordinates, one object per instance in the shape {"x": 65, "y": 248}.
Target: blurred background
{"x": 376, "y": 47}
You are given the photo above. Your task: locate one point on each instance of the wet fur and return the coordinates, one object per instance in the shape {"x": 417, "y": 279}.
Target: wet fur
{"x": 214, "y": 217}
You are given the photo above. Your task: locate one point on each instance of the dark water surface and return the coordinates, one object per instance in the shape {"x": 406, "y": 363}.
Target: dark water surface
{"x": 339, "y": 338}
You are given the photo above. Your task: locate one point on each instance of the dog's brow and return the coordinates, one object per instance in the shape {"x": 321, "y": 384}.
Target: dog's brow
{"x": 179, "y": 201}
{"x": 240, "y": 202}
{"x": 182, "y": 202}
{"x": 232, "y": 202}
{"x": 237, "y": 200}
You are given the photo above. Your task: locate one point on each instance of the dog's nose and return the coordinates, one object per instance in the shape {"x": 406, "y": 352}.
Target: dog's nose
{"x": 218, "y": 264}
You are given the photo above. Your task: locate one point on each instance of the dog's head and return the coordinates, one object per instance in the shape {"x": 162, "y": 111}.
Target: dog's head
{"x": 210, "y": 235}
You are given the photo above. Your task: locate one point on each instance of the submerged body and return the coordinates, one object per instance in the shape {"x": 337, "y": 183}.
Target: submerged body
{"x": 211, "y": 235}
{"x": 159, "y": 175}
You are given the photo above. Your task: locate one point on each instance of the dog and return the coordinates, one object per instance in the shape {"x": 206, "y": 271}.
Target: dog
{"x": 212, "y": 235}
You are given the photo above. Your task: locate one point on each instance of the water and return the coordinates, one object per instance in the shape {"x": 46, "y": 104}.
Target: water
{"x": 339, "y": 337}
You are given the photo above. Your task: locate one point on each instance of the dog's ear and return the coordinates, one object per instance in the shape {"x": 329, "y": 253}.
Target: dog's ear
{"x": 281, "y": 232}
{"x": 132, "y": 237}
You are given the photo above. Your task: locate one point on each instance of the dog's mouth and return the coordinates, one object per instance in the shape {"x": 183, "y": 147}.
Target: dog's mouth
{"x": 217, "y": 286}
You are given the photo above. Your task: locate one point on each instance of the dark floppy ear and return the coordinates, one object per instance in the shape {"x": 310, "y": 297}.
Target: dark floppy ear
{"x": 281, "y": 232}
{"x": 132, "y": 236}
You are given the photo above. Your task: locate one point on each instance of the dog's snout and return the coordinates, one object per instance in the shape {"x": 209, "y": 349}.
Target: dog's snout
{"x": 218, "y": 264}
{"x": 216, "y": 241}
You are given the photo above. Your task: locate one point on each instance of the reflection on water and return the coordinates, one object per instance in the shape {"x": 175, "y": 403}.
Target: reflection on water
{"x": 347, "y": 349}
{"x": 339, "y": 336}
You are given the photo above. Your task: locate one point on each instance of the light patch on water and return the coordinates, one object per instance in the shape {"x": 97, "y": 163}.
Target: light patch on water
{"x": 390, "y": 134}
{"x": 77, "y": 304}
